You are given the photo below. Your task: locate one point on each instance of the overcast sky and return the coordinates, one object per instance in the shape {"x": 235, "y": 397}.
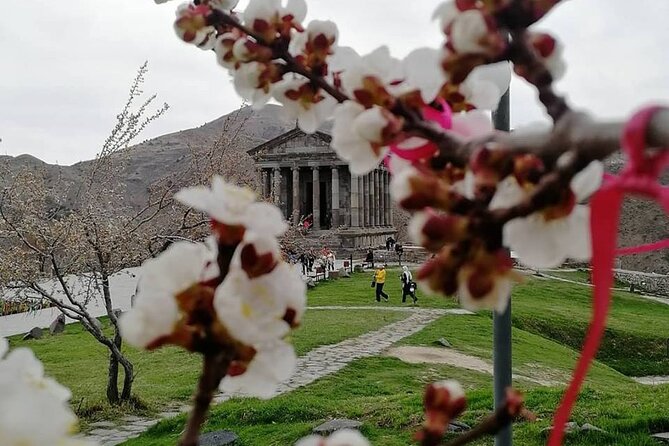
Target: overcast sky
{"x": 65, "y": 66}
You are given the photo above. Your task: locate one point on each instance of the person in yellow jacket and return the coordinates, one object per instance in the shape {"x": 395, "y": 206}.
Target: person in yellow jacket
{"x": 380, "y": 280}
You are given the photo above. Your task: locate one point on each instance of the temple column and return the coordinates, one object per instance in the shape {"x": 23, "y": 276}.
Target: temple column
{"x": 276, "y": 185}
{"x": 316, "y": 197}
{"x": 283, "y": 193}
{"x": 265, "y": 189}
{"x": 390, "y": 201}
{"x": 335, "y": 198}
{"x": 389, "y": 205}
{"x": 297, "y": 212}
{"x": 355, "y": 195}
{"x": 377, "y": 201}
{"x": 382, "y": 198}
{"x": 365, "y": 200}
{"x": 361, "y": 200}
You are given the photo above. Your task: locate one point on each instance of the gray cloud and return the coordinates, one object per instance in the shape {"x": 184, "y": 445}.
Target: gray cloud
{"x": 66, "y": 65}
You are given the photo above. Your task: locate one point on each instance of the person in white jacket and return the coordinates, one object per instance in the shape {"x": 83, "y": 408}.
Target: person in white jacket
{"x": 408, "y": 285}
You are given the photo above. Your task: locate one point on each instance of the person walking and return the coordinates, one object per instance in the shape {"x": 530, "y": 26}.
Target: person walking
{"x": 369, "y": 258}
{"x": 304, "y": 261}
{"x": 408, "y": 285}
{"x": 380, "y": 280}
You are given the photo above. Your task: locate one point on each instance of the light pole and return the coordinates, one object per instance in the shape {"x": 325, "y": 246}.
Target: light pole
{"x": 502, "y": 322}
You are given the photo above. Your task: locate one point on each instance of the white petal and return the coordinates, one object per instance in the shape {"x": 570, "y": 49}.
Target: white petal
{"x": 587, "y": 181}
{"x": 347, "y": 437}
{"x": 508, "y": 194}
{"x": 273, "y": 364}
{"x": 498, "y": 73}
{"x": 297, "y": 8}
{"x": 265, "y": 218}
{"x": 370, "y": 124}
{"x": 536, "y": 243}
{"x": 311, "y": 440}
{"x": 423, "y": 71}
{"x": 343, "y": 58}
{"x": 467, "y": 30}
{"x": 579, "y": 241}
{"x": 446, "y": 12}
{"x": 471, "y": 125}
{"x": 455, "y": 390}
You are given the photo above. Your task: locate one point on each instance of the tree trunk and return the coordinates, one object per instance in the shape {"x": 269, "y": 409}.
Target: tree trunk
{"x": 112, "y": 380}
{"x": 117, "y": 358}
{"x": 128, "y": 376}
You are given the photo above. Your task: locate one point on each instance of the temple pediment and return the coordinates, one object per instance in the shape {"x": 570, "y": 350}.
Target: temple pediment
{"x": 294, "y": 144}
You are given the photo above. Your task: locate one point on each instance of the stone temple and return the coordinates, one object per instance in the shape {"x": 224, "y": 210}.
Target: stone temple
{"x": 303, "y": 175}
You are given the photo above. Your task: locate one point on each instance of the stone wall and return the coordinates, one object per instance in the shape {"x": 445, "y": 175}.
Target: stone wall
{"x": 648, "y": 282}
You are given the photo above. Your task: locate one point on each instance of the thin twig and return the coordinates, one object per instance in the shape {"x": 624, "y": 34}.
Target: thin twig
{"x": 491, "y": 425}
{"x": 214, "y": 368}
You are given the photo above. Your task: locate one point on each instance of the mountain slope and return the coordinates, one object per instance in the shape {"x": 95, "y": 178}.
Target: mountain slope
{"x": 167, "y": 155}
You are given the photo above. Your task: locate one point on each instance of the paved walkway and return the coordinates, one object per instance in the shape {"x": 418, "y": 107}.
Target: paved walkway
{"x": 319, "y": 362}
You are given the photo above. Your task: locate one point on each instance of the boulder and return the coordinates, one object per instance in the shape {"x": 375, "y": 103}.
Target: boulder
{"x": 58, "y": 325}
{"x": 358, "y": 269}
{"x": 458, "y": 426}
{"x": 35, "y": 333}
{"x": 331, "y": 426}
{"x": 311, "y": 283}
{"x": 218, "y": 438}
{"x": 570, "y": 427}
{"x": 343, "y": 272}
{"x": 590, "y": 427}
{"x": 443, "y": 342}
{"x": 333, "y": 275}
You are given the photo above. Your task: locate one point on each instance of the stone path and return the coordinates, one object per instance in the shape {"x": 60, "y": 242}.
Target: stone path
{"x": 319, "y": 362}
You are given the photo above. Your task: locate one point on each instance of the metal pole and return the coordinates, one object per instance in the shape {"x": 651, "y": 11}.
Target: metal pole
{"x": 502, "y": 322}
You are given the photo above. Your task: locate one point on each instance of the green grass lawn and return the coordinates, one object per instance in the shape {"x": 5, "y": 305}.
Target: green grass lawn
{"x": 636, "y": 336}
{"x": 356, "y": 291}
{"x": 169, "y": 374}
{"x": 385, "y": 393}
{"x": 549, "y": 320}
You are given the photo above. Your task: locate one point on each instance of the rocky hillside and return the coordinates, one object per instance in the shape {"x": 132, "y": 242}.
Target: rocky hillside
{"x": 161, "y": 157}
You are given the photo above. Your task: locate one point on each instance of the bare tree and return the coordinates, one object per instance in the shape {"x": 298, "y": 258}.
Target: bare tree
{"x": 225, "y": 156}
{"x": 64, "y": 245}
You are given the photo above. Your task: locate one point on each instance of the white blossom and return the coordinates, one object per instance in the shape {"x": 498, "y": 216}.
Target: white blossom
{"x": 21, "y": 364}
{"x": 274, "y": 10}
{"x": 343, "y": 437}
{"x": 156, "y": 310}
{"x": 309, "y": 114}
{"x": 191, "y": 26}
{"x": 254, "y": 310}
{"x": 422, "y": 70}
{"x": 496, "y": 299}
{"x": 223, "y": 5}
{"x": 454, "y": 388}
{"x": 234, "y": 205}
{"x": 486, "y": 84}
{"x": 315, "y": 28}
{"x": 248, "y": 84}
{"x": 542, "y": 242}
{"x": 357, "y": 136}
{"x": 468, "y": 30}
{"x": 378, "y": 64}
{"x": 273, "y": 363}
{"x": 33, "y": 408}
